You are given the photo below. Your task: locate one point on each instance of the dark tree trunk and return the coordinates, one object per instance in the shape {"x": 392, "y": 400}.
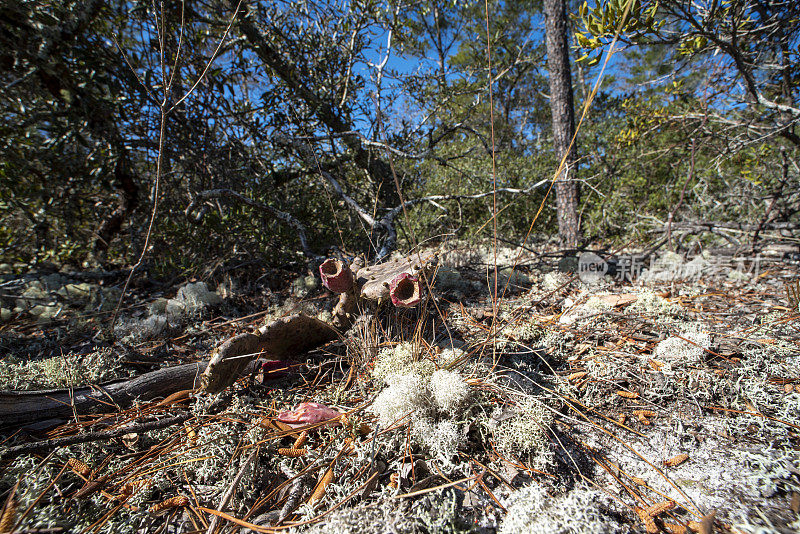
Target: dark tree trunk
{"x": 563, "y": 112}
{"x": 125, "y": 183}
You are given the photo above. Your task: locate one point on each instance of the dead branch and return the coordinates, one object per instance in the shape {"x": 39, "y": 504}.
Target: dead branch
{"x": 212, "y": 526}
{"x": 327, "y": 112}
{"x": 742, "y": 227}
{"x": 141, "y": 428}
{"x": 287, "y": 218}
{"x": 51, "y": 444}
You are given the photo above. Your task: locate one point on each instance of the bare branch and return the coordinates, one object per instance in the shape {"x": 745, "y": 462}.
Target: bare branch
{"x": 435, "y": 198}
{"x": 281, "y": 215}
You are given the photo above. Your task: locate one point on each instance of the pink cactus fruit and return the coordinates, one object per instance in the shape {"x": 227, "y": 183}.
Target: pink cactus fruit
{"x": 307, "y": 413}
{"x": 405, "y": 291}
{"x": 336, "y": 276}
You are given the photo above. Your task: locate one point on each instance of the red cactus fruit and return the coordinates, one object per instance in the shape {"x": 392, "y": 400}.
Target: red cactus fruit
{"x": 336, "y": 276}
{"x": 405, "y": 291}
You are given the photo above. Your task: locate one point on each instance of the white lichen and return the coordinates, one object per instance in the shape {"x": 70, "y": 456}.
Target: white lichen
{"x": 554, "y": 280}
{"x": 592, "y": 307}
{"x": 525, "y": 434}
{"x": 443, "y": 439}
{"x": 434, "y": 404}
{"x": 304, "y": 285}
{"x": 531, "y": 509}
{"x": 450, "y": 390}
{"x": 652, "y": 304}
{"x": 404, "y": 396}
{"x": 449, "y": 356}
{"x": 686, "y": 349}
{"x": 604, "y": 365}
{"x": 400, "y": 359}
{"x": 372, "y": 518}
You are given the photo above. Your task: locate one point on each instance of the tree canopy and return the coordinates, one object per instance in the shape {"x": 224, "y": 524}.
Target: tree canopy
{"x": 268, "y": 129}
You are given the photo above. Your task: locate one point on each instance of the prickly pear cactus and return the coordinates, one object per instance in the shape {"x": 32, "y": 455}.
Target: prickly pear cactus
{"x": 398, "y": 280}
{"x": 376, "y": 281}
{"x": 285, "y": 338}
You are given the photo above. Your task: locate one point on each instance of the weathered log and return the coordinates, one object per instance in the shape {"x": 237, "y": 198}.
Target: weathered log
{"x": 29, "y": 406}
{"x": 285, "y": 338}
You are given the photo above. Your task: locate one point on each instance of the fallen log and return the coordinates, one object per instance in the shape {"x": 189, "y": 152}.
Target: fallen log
{"x": 29, "y": 406}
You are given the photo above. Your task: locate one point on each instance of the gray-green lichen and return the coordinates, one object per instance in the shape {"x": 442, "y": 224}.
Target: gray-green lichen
{"x": 524, "y": 433}
{"x": 68, "y": 370}
{"x": 434, "y": 401}
{"x": 401, "y": 359}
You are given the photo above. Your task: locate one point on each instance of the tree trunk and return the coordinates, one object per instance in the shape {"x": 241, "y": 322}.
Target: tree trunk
{"x": 125, "y": 183}
{"x": 563, "y": 113}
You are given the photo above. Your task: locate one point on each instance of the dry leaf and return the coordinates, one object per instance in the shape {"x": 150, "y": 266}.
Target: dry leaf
{"x": 618, "y": 301}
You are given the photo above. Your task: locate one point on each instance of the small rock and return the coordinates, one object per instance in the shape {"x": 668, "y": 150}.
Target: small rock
{"x": 33, "y": 296}
{"x": 35, "y": 285}
{"x": 738, "y": 276}
{"x": 158, "y": 306}
{"x": 45, "y": 314}
{"x": 77, "y": 293}
{"x": 197, "y": 296}
{"x": 53, "y": 281}
{"x": 174, "y": 307}
{"x": 568, "y": 264}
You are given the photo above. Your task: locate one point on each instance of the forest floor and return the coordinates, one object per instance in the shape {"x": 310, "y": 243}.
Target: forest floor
{"x": 658, "y": 400}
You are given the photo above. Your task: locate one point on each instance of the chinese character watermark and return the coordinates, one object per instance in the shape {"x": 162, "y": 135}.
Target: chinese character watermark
{"x": 592, "y": 268}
